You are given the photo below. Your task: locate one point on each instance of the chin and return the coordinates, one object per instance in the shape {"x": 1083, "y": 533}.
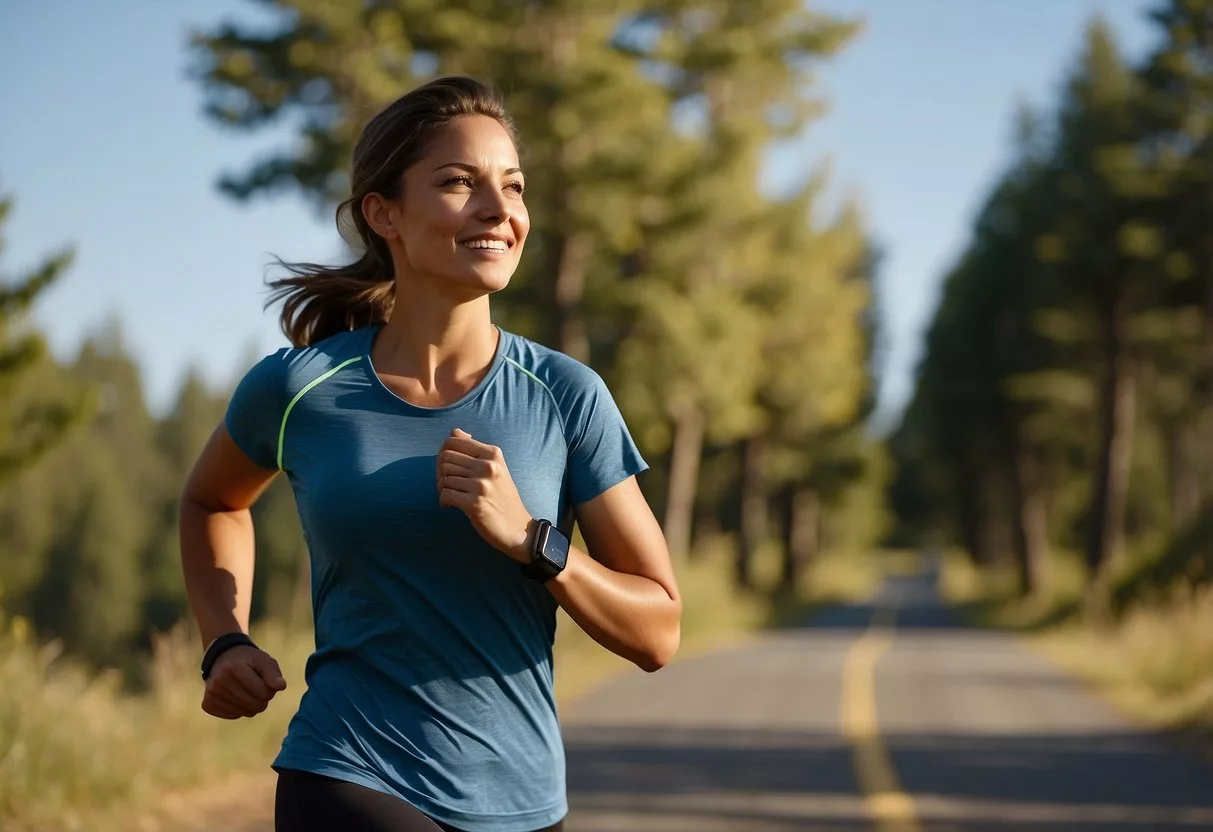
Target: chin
{"x": 483, "y": 283}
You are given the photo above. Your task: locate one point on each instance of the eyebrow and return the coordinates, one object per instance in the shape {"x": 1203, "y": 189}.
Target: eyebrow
{"x": 473, "y": 168}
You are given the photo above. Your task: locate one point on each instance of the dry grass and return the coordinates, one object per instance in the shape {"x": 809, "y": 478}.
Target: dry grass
{"x": 74, "y": 745}
{"x": 77, "y": 752}
{"x": 1154, "y": 662}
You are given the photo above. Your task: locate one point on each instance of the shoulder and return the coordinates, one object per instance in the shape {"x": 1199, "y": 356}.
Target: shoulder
{"x": 566, "y": 378}
{"x": 579, "y": 394}
{"x": 286, "y": 371}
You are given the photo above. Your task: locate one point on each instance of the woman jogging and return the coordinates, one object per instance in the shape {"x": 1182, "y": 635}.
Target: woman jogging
{"x": 438, "y": 464}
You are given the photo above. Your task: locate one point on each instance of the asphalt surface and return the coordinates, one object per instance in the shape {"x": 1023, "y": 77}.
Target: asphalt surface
{"x": 980, "y": 733}
{"x": 947, "y": 728}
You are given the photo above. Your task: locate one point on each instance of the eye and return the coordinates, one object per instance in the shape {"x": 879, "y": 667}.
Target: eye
{"x": 458, "y": 180}
{"x": 516, "y": 187}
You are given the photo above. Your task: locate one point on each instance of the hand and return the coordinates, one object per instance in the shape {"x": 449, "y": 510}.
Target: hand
{"x": 473, "y": 477}
{"x": 242, "y": 682}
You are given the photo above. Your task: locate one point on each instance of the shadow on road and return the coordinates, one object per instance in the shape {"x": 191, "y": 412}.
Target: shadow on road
{"x": 706, "y": 779}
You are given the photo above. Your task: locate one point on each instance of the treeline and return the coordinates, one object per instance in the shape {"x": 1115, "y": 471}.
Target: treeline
{"x": 736, "y": 329}
{"x": 1063, "y": 401}
{"x": 88, "y": 495}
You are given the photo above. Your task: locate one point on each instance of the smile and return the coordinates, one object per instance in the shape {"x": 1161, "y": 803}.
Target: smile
{"x": 487, "y": 245}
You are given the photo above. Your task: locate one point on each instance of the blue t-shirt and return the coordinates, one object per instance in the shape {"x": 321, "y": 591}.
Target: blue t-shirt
{"x": 432, "y": 673}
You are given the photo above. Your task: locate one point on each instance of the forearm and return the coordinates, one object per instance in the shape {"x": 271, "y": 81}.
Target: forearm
{"x": 632, "y": 616}
{"x": 217, "y": 561}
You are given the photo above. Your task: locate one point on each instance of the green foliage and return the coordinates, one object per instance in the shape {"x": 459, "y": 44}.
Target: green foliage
{"x": 89, "y": 552}
{"x": 1069, "y": 360}
{"x": 718, "y": 315}
{"x": 29, "y": 424}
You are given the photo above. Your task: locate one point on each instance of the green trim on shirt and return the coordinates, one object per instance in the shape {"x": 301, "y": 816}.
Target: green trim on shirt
{"x": 299, "y": 395}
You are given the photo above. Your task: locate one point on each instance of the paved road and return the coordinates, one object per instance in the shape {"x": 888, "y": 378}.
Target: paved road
{"x": 944, "y": 729}
{"x": 967, "y": 730}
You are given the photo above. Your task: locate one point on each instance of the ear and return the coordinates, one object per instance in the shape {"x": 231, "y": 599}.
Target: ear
{"x": 379, "y": 214}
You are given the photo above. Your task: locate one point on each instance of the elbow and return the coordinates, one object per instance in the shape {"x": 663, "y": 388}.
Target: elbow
{"x": 659, "y": 655}
{"x": 661, "y": 650}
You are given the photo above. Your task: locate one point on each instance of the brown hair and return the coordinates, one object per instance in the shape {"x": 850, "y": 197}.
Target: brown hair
{"x": 319, "y": 301}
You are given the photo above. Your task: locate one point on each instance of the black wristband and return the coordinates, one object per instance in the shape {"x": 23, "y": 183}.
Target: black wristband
{"x": 217, "y": 647}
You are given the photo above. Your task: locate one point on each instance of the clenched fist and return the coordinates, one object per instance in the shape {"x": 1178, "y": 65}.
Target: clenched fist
{"x": 473, "y": 477}
{"x": 242, "y": 682}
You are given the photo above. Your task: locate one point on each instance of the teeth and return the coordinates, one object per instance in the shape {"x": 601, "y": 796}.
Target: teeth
{"x": 495, "y": 245}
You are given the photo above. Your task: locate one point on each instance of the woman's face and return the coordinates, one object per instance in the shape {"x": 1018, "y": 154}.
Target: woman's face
{"x": 462, "y": 217}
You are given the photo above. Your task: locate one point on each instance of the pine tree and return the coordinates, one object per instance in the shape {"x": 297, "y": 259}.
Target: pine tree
{"x": 644, "y": 126}
{"x": 26, "y": 434}
{"x": 738, "y": 76}
{"x": 1105, "y": 247}
{"x": 180, "y": 438}
{"x": 590, "y": 121}
{"x": 1177, "y": 82}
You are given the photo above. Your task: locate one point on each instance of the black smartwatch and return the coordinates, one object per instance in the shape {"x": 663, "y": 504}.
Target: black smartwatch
{"x": 217, "y": 647}
{"x": 549, "y": 553}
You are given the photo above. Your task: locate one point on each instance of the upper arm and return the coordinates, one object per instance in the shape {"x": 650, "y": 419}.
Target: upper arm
{"x": 242, "y": 455}
{"x": 616, "y": 522}
{"x": 224, "y": 478}
{"x": 621, "y": 533}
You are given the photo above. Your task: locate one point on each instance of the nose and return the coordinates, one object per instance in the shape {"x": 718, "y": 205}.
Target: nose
{"x": 493, "y": 207}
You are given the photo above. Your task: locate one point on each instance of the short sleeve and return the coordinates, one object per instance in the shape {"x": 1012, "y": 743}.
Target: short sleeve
{"x": 254, "y": 413}
{"x": 601, "y": 450}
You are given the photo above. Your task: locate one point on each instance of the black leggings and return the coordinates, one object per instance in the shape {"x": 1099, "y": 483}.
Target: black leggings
{"x": 307, "y": 802}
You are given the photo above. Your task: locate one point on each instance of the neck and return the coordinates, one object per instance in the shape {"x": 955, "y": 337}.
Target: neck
{"x": 435, "y": 337}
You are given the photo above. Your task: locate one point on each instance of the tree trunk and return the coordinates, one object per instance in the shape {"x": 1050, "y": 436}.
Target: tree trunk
{"x": 572, "y": 256}
{"x": 1182, "y": 465}
{"x": 555, "y": 36}
{"x": 1030, "y": 520}
{"x": 1209, "y": 287}
{"x": 1029, "y": 526}
{"x": 801, "y": 535}
{"x": 684, "y": 478}
{"x": 753, "y": 531}
{"x": 1116, "y": 413}
{"x": 974, "y": 518}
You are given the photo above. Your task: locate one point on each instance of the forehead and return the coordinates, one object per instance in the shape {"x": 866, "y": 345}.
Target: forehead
{"x": 473, "y": 140}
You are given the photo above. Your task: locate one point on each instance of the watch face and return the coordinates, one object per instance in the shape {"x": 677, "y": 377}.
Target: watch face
{"x": 557, "y": 549}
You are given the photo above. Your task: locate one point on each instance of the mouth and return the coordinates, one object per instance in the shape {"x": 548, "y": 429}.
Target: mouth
{"x": 488, "y": 244}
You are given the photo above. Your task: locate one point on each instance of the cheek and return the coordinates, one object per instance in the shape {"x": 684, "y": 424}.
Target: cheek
{"x": 521, "y": 221}
{"x": 432, "y": 232}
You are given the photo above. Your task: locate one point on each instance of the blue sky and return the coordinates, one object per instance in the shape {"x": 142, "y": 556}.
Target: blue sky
{"x": 104, "y": 147}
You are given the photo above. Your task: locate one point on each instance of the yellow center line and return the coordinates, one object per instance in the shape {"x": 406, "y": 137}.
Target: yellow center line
{"x": 891, "y": 809}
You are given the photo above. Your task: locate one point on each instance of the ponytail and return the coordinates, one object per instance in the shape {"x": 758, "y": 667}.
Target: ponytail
{"x": 320, "y": 301}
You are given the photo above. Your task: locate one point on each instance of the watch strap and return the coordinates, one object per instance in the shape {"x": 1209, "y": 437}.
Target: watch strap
{"x": 219, "y": 646}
